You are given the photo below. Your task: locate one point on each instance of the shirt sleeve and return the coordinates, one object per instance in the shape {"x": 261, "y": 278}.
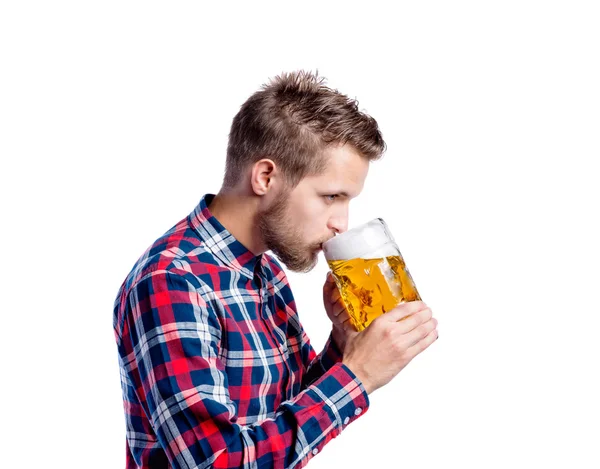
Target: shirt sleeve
{"x": 317, "y": 365}
{"x": 170, "y": 344}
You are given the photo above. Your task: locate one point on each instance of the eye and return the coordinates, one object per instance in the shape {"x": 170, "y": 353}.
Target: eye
{"x": 331, "y": 198}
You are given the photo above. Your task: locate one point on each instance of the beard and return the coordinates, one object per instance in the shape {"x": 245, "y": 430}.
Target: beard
{"x": 285, "y": 240}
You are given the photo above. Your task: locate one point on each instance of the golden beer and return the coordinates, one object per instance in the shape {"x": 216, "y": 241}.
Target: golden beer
{"x": 370, "y": 287}
{"x": 370, "y": 284}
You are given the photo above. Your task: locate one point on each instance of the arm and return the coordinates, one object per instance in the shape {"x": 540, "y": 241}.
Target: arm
{"x": 317, "y": 365}
{"x": 342, "y": 329}
{"x": 173, "y": 338}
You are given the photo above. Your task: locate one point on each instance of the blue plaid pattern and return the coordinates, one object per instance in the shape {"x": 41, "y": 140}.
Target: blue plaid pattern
{"x": 216, "y": 369}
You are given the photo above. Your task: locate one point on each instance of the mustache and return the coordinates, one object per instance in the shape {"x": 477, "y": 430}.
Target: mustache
{"x": 320, "y": 243}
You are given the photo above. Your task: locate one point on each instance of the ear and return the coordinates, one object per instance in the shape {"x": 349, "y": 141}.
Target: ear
{"x": 264, "y": 176}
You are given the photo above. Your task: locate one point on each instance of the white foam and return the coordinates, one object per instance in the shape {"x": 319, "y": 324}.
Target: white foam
{"x": 368, "y": 241}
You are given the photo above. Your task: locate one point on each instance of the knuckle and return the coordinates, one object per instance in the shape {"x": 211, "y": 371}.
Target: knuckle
{"x": 388, "y": 333}
{"x": 412, "y": 322}
{"x": 430, "y": 339}
{"x": 399, "y": 347}
{"x": 405, "y": 308}
{"x": 380, "y": 322}
{"x": 424, "y": 342}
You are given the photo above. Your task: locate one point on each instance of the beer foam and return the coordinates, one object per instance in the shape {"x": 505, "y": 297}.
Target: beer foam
{"x": 368, "y": 241}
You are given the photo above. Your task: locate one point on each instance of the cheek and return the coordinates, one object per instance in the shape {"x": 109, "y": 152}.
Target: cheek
{"x": 315, "y": 222}
{"x": 306, "y": 220}
{"x": 310, "y": 217}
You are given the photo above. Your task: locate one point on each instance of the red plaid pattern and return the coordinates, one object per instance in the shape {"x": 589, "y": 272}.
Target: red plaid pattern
{"x": 216, "y": 369}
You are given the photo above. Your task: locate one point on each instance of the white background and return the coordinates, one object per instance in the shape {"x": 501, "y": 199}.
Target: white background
{"x": 113, "y": 122}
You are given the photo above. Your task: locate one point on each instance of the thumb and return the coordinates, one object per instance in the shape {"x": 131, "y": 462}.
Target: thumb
{"x": 403, "y": 310}
{"x": 329, "y": 280}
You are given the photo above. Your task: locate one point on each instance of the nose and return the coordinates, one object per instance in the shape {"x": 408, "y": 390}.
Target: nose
{"x": 339, "y": 223}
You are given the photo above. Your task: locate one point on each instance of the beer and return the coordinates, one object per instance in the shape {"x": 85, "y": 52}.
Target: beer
{"x": 369, "y": 271}
{"x": 371, "y": 287}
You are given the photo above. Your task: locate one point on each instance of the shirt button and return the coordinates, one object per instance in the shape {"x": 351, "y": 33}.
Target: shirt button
{"x": 315, "y": 451}
{"x": 358, "y": 411}
{"x": 346, "y": 420}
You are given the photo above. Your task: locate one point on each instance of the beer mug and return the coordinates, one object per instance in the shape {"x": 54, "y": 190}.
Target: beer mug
{"x": 369, "y": 272}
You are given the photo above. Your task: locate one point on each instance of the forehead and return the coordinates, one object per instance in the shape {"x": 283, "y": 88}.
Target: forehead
{"x": 345, "y": 171}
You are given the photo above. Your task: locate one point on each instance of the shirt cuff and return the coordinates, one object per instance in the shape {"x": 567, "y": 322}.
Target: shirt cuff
{"x": 345, "y": 400}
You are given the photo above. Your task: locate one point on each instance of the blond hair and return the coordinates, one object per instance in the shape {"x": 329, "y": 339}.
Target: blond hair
{"x": 291, "y": 120}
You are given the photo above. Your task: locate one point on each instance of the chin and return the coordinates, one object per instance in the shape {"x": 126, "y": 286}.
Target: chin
{"x": 305, "y": 267}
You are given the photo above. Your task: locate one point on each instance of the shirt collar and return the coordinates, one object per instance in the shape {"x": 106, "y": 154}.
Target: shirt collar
{"x": 220, "y": 242}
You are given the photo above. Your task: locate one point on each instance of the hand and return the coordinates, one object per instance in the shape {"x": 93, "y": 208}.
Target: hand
{"x": 384, "y": 348}
{"x": 337, "y": 313}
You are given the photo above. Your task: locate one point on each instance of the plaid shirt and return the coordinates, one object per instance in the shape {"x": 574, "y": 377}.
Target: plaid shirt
{"x": 216, "y": 369}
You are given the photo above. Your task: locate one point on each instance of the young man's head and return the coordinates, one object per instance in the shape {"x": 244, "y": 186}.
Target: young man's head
{"x": 304, "y": 150}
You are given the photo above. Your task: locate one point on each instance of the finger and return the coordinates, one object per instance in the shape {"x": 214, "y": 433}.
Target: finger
{"x": 341, "y": 314}
{"x": 419, "y": 333}
{"x": 337, "y": 310}
{"x": 335, "y": 295}
{"x": 403, "y": 310}
{"x": 329, "y": 282}
{"x": 348, "y": 326}
{"x": 420, "y": 346}
{"x": 415, "y": 320}
{"x": 346, "y": 318}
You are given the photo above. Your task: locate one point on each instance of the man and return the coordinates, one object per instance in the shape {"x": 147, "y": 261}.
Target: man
{"x": 216, "y": 369}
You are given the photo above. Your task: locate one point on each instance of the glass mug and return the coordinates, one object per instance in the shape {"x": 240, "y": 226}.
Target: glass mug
{"x": 369, "y": 272}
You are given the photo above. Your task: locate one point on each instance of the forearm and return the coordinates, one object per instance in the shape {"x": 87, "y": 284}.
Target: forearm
{"x": 321, "y": 363}
{"x": 297, "y": 431}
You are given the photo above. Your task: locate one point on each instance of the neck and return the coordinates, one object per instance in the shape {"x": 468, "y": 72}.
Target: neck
{"x": 237, "y": 212}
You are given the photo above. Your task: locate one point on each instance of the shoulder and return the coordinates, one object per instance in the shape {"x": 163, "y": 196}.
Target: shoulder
{"x": 179, "y": 251}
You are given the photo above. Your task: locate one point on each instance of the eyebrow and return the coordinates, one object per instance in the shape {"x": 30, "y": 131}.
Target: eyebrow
{"x": 339, "y": 193}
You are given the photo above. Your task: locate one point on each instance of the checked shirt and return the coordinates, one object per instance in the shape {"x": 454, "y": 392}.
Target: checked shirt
{"x": 216, "y": 369}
